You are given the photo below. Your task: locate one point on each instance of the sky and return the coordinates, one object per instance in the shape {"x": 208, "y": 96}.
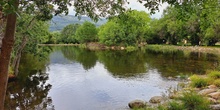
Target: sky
{"x": 137, "y": 6}
{"x": 134, "y": 5}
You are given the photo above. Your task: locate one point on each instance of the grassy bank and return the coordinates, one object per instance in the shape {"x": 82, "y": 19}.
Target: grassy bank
{"x": 172, "y": 48}
{"x": 58, "y": 44}
{"x": 156, "y": 48}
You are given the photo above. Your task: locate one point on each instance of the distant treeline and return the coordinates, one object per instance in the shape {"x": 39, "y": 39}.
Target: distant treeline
{"x": 186, "y": 24}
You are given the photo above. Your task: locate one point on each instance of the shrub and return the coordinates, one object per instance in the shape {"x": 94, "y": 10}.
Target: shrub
{"x": 130, "y": 48}
{"x": 217, "y": 82}
{"x": 199, "y": 81}
{"x": 214, "y": 74}
{"x": 175, "y": 106}
{"x": 193, "y": 101}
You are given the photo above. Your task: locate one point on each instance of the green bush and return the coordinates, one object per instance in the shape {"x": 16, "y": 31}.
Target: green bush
{"x": 217, "y": 82}
{"x": 193, "y": 101}
{"x": 214, "y": 74}
{"x": 175, "y": 106}
{"x": 130, "y": 48}
{"x": 199, "y": 81}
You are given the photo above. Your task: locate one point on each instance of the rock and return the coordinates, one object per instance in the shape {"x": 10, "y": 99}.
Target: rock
{"x": 174, "y": 95}
{"x": 136, "y": 104}
{"x": 215, "y": 107}
{"x": 212, "y": 87}
{"x": 156, "y": 99}
{"x": 206, "y": 91}
{"x": 122, "y": 48}
{"x": 215, "y": 95}
{"x": 113, "y": 48}
{"x": 212, "y": 101}
{"x": 170, "y": 78}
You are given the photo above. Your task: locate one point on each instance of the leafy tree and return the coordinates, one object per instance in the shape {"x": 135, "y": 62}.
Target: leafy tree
{"x": 129, "y": 28}
{"x": 28, "y": 39}
{"x": 196, "y": 21}
{"x": 157, "y": 32}
{"x": 68, "y": 34}
{"x": 210, "y": 22}
{"x": 174, "y": 26}
{"x": 86, "y": 33}
{"x": 111, "y": 33}
{"x": 53, "y": 37}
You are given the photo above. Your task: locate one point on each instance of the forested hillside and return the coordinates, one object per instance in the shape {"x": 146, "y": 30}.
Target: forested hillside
{"x": 59, "y": 22}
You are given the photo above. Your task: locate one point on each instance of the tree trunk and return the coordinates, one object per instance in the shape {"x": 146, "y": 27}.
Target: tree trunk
{"x": 2, "y": 27}
{"x": 17, "y": 58}
{"x": 7, "y": 44}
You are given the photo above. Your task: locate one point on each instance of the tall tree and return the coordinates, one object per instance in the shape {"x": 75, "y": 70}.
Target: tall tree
{"x": 7, "y": 44}
{"x": 68, "y": 34}
{"x": 129, "y": 28}
{"x": 87, "y": 32}
{"x": 36, "y": 32}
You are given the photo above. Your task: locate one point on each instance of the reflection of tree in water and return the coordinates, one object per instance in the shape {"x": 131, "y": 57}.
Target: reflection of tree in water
{"x": 175, "y": 63}
{"x": 85, "y": 57}
{"x": 29, "y": 95}
{"x": 122, "y": 63}
{"x": 30, "y": 91}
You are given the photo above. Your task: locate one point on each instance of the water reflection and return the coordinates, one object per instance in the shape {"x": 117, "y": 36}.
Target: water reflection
{"x": 85, "y": 57}
{"x": 30, "y": 91}
{"x": 123, "y": 64}
{"x": 129, "y": 64}
{"x": 175, "y": 63}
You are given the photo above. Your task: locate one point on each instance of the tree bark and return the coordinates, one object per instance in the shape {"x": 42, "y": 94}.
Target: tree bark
{"x": 7, "y": 44}
{"x": 17, "y": 58}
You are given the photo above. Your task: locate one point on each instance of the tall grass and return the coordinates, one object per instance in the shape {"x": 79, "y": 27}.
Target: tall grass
{"x": 199, "y": 82}
{"x": 193, "y": 101}
{"x": 214, "y": 74}
{"x": 174, "y": 105}
{"x": 162, "y": 48}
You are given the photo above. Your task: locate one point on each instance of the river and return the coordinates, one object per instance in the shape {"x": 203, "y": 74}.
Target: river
{"x": 78, "y": 79}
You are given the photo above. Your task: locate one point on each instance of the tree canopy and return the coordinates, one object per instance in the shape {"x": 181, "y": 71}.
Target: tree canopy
{"x": 129, "y": 28}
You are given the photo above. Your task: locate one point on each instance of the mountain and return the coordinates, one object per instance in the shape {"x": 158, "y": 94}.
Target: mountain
{"x": 59, "y": 22}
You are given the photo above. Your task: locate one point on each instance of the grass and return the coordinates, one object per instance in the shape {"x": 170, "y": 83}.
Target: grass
{"x": 217, "y": 82}
{"x": 131, "y": 48}
{"x": 162, "y": 48}
{"x": 82, "y": 45}
{"x": 185, "y": 49}
{"x": 199, "y": 82}
{"x": 214, "y": 74}
{"x": 193, "y": 101}
{"x": 189, "y": 101}
{"x": 174, "y": 105}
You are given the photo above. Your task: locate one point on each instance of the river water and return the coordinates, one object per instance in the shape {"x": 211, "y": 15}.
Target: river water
{"x": 78, "y": 79}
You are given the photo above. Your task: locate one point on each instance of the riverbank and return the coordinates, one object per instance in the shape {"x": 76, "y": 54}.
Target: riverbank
{"x": 58, "y": 44}
{"x": 198, "y": 92}
{"x": 172, "y": 48}
{"x": 157, "y": 48}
